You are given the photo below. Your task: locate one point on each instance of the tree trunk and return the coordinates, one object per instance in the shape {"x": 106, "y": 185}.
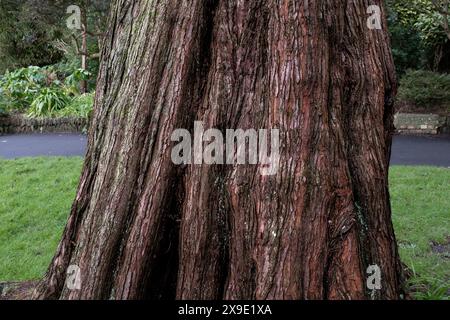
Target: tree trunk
{"x": 142, "y": 227}
{"x": 84, "y": 47}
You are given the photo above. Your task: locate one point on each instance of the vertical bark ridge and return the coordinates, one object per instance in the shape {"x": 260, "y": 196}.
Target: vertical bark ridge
{"x": 369, "y": 103}
{"x": 180, "y": 94}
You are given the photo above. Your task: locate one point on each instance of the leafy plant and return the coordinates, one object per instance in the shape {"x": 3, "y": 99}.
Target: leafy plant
{"x": 423, "y": 16}
{"x": 45, "y": 92}
{"x": 80, "y": 106}
{"x": 48, "y": 102}
{"x": 72, "y": 82}
{"x": 3, "y": 102}
{"x": 418, "y": 33}
{"x": 408, "y": 48}
{"x": 20, "y": 86}
{"x": 425, "y": 88}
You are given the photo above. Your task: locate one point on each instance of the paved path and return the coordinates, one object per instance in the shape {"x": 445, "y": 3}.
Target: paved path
{"x": 421, "y": 150}
{"x": 31, "y": 145}
{"x": 407, "y": 150}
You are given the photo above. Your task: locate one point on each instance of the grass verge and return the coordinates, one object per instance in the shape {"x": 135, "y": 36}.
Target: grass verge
{"x": 36, "y": 195}
{"x": 35, "y": 199}
{"x": 420, "y": 198}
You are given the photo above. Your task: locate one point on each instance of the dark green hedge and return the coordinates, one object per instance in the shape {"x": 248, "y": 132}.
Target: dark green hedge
{"x": 425, "y": 89}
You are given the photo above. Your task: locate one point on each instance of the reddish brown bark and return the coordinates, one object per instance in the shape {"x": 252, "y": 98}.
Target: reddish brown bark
{"x": 142, "y": 227}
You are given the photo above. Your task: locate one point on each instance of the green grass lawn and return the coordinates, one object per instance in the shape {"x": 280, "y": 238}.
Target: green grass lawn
{"x": 36, "y": 195}
{"x": 35, "y": 198}
{"x": 420, "y": 199}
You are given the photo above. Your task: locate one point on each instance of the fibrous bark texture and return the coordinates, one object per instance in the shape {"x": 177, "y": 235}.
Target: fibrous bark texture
{"x": 144, "y": 228}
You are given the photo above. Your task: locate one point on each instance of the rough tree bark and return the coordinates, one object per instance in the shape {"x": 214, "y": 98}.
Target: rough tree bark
{"x": 142, "y": 228}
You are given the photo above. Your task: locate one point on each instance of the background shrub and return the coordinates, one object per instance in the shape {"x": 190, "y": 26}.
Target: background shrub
{"x": 19, "y": 87}
{"x": 425, "y": 89}
{"x": 51, "y": 91}
{"x": 48, "y": 102}
{"x": 72, "y": 81}
{"x": 79, "y": 106}
{"x": 3, "y": 102}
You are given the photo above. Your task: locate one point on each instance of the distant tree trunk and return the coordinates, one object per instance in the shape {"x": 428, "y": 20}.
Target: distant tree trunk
{"x": 142, "y": 227}
{"x": 438, "y": 54}
{"x": 84, "y": 46}
{"x": 444, "y": 65}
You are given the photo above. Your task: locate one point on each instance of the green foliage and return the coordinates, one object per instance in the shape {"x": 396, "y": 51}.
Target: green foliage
{"x": 425, "y": 88}
{"x": 418, "y": 37}
{"x": 26, "y": 31}
{"x": 80, "y": 106}
{"x": 35, "y": 32}
{"x": 45, "y": 92}
{"x": 48, "y": 102}
{"x": 2, "y": 103}
{"x": 20, "y": 86}
{"x": 72, "y": 82}
{"x": 407, "y": 48}
{"x": 423, "y": 17}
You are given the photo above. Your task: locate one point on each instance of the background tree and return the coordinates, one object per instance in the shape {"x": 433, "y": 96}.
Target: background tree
{"x": 27, "y": 29}
{"x": 429, "y": 20}
{"x": 35, "y": 32}
{"x": 141, "y": 227}
{"x": 92, "y": 13}
{"x": 442, "y": 7}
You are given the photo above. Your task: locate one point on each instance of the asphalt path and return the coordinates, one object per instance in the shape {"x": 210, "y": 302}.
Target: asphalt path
{"x": 406, "y": 150}
{"x": 33, "y": 145}
{"x": 421, "y": 150}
